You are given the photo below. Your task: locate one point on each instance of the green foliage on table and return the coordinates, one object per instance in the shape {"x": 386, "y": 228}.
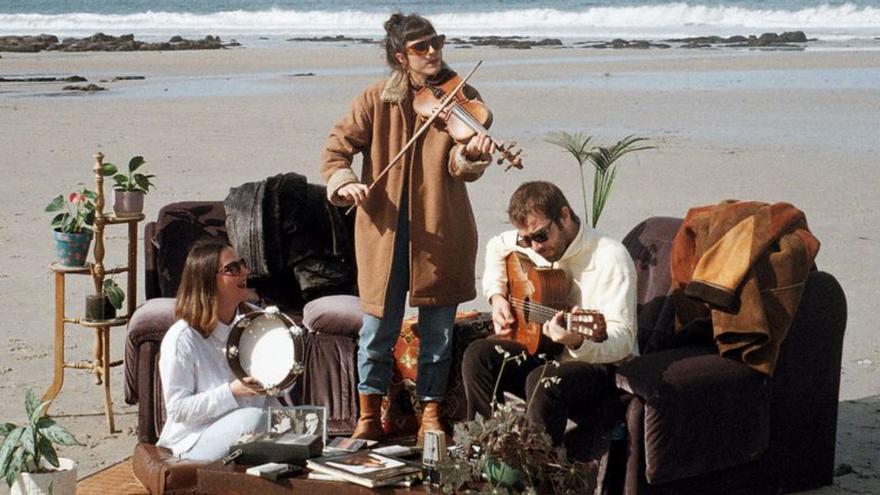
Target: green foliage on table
{"x": 131, "y": 181}
{"x": 508, "y": 454}
{"x": 113, "y": 292}
{"x": 28, "y": 447}
{"x": 78, "y": 214}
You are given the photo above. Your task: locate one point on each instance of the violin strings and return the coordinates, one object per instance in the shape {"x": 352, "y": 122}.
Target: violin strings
{"x": 473, "y": 123}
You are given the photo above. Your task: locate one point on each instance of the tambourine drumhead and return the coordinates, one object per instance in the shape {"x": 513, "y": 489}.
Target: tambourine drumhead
{"x": 267, "y": 346}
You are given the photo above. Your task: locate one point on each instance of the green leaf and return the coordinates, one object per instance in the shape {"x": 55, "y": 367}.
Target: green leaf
{"x": 47, "y": 451}
{"x": 39, "y": 412}
{"x": 29, "y": 440}
{"x": 10, "y": 446}
{"x": 90, "y": 194}
{"x": 135, "y": 163}
{"x": 57, "y": 434}
{"x": 14, "y": 467}
{"x": 56, "y": 204}
{"x": 30, "y": 402}
{"x": 142, "y": 181}
{"x": 114, "y": 293}
{"x": 5, "y": 429}
{"x": 109, "y": 169}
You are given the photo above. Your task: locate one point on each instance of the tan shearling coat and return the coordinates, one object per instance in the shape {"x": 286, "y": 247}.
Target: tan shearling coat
{"x": 443, "y": 234}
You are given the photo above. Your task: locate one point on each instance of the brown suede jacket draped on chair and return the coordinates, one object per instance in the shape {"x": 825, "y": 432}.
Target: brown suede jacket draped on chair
{"x": 742, "y": 264}
{"x": 443, "y": 233}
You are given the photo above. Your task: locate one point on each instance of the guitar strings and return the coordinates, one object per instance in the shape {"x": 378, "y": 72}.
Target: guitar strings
{"x": 541, "y": 310}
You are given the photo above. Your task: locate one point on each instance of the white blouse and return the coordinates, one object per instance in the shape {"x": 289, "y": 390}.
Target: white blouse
{"x": 195, "y": 384}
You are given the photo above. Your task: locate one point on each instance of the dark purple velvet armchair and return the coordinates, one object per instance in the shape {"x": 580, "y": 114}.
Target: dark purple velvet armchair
{"x": 698, "y": 423}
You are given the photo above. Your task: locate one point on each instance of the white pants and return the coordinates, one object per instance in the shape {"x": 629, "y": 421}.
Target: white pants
{"x": 216, "y": 439}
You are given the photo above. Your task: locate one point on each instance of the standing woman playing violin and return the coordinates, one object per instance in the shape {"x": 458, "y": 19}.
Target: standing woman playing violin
{"x": 414, "y": 231}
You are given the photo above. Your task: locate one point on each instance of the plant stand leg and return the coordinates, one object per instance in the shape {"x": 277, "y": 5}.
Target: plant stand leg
{"x": 105, "y": 371}
{"x": 98, "y": 363}
{"x": 58, "y": 380}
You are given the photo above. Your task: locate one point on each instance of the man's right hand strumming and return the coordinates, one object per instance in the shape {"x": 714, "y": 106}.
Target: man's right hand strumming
{"x": 354, "y": 192}
{"x": 502, "y": 318}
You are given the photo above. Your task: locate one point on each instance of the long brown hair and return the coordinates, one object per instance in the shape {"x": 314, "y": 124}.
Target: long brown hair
{"x": 197, "y": 293}
{"x": 401, "y": 28}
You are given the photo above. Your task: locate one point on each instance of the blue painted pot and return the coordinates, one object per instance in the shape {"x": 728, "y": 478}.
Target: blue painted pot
{"x": 72, "y": 249}
{"x": 500, "y": 473}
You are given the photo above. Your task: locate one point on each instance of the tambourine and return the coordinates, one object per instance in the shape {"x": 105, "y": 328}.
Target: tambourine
{"x": 267, "y": 346}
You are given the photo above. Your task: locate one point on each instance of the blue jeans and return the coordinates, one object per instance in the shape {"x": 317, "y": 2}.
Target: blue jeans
{"x": 378, "y": 335}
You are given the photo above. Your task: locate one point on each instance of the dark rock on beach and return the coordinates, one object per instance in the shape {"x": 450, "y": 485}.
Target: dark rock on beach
{"x": 765, "y": 40}
{"x": 517, "y": 42}
{"x": 90, "y": 88}
{"x": 103, "y": 42}
{"x": 631, "y": 44}
{"x": 338, "y": 38}
{"x": 44, "y": 79}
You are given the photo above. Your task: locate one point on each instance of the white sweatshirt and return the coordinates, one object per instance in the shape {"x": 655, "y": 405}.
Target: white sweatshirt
{"x": 604, "y": 279}
{"x": 195, "y": 384}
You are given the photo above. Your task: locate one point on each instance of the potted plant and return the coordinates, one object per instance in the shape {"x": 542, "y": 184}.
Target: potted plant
{"x": 28, "y": 461}
{"x": 72, "y": 226}
{"x": 103, "y": 306}
{"x": 510, "y": 454}
{"x": 602, "y": 158}
{"x": 130, "y": 188}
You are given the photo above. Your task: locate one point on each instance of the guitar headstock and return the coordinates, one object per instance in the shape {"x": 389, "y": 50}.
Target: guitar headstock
{"x": 589, "y": 323}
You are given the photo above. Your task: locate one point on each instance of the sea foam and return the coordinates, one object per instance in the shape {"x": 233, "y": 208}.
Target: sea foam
{"x": 651, "y": 21}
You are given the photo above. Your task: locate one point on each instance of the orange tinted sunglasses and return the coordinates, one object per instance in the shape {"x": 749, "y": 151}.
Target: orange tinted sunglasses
{"x": 421, "y": 48}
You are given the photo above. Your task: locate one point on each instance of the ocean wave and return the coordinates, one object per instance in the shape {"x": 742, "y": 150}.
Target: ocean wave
{"x": 673, "y": 19}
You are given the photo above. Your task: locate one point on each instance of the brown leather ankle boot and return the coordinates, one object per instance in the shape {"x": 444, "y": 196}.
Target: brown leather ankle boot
{"x": 431, "y": 420}
{"x": 369, "y": 426}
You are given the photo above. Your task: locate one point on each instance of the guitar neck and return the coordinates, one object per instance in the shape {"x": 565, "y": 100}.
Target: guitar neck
{"x": 540, "y": 314}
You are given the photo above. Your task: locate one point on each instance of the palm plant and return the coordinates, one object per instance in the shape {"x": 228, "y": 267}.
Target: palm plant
{"x": 602, "y": 158}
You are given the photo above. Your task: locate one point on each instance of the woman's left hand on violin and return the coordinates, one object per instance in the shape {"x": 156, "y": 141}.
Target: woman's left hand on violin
{"x": 479, "y": 148}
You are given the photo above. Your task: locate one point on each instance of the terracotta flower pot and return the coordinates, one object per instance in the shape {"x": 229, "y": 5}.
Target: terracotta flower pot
{"x": 128, "y": 203}
{"x": 57, "y": 482}
{"x": 72, "y": 249}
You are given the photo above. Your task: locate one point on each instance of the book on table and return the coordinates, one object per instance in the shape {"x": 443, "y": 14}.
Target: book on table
{"x": 366, "y": 468}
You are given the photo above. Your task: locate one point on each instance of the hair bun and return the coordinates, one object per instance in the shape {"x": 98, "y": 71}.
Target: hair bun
{"x": 394, "y": 21}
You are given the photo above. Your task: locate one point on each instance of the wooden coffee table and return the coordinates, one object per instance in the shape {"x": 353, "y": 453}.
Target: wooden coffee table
{"x": 232, "y": 480}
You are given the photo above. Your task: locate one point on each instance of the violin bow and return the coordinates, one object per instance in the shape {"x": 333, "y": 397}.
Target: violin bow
{"x": 437, "y": 111}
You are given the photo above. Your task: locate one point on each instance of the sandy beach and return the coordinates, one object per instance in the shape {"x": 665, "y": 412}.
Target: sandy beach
{"x": 793, "y": 126}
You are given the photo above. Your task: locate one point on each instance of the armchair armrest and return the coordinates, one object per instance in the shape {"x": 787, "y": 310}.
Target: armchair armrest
{"x": 146, "y": 329}
{"x": 702, "y": 412}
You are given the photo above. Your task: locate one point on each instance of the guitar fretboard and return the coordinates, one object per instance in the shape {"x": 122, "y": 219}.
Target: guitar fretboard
{"x": 534, "y": 312}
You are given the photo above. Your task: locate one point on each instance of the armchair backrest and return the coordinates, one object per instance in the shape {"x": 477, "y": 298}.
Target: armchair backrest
{"x": 649, "y": 243}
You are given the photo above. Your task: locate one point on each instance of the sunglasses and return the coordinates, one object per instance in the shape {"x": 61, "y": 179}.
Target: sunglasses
{"x": 420, "y": 48}
{"x": 233, "y": 268}
{"x": 539, "y": 236}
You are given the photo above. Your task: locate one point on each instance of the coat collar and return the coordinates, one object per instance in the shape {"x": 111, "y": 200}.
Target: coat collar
{"x": 396, "y": 87}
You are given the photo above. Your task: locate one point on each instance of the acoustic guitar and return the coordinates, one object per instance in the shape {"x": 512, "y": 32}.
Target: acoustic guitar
{"x": 536, "y": 295}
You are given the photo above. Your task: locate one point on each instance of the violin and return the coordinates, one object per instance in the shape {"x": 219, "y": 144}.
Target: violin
{"x": 462, "y": 118}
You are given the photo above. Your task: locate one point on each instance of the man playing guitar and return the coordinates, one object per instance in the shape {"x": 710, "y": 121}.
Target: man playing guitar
{"x": 601, "y": 278}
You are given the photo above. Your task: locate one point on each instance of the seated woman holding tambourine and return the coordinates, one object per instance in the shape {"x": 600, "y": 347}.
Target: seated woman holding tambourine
{"x": 207, "y": 407}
